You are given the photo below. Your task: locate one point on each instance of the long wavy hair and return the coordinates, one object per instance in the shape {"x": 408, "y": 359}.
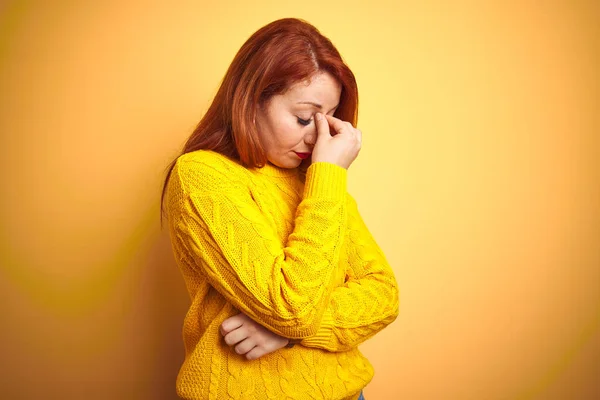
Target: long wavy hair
{"x": 275, "y": 57}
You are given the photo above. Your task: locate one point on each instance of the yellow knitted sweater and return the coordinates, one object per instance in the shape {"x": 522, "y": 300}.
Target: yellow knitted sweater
{"x": 292, "y": 253}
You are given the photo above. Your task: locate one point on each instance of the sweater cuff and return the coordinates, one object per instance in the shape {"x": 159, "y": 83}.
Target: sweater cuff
{"x": 325, "y": 179}
{"x": 323, "y": 335}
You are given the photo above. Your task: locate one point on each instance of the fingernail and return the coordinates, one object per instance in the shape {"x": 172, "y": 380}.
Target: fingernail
{"x": 319, "y": 116}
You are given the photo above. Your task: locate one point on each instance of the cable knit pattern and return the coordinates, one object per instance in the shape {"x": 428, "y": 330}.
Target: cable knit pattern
{"x": 292, "y": 253}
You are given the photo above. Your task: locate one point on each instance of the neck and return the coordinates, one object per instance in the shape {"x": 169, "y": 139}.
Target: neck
{"x": 273, "y": 170}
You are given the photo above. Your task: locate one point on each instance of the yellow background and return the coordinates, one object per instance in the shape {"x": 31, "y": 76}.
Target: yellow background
{"x": 479, "y": 177}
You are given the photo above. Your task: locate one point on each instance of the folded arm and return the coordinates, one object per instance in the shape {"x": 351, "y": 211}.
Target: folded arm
{"x": 228, "y": 240}
{"x": 369, "y": 299}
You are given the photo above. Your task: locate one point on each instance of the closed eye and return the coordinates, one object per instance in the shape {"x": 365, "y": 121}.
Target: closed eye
{"x": 303, "y": 121}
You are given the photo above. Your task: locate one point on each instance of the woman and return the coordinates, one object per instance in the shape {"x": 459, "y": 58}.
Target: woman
{"x": 284, "y": 277}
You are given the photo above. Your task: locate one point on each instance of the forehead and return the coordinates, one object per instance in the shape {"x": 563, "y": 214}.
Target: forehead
{"x": 321, "y": 89}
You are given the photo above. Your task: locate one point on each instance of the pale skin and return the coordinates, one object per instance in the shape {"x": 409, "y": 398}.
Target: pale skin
{"x": 287, "y": 127}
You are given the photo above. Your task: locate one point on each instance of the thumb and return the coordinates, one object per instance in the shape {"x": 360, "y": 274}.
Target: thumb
{"x": 322, "y": 127}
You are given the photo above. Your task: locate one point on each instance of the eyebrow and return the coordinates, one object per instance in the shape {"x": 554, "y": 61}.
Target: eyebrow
{"x": 316, "y": 104}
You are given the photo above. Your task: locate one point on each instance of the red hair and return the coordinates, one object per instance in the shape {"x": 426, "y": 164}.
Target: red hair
{"x": 275, "y": 57}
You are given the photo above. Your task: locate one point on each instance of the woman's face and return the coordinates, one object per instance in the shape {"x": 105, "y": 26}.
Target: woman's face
{"x": 286, "y": 125}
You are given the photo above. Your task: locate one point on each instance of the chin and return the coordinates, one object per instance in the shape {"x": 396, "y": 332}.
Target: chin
{"x": 288, "y": 164}
{"x": 293, "y": 164}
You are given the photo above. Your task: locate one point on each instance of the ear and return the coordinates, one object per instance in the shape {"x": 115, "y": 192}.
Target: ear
{"x": 260, "y": 113}
{"x": 257, "y": 113}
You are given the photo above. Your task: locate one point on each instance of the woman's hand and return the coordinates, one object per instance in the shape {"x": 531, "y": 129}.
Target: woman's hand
{"x": 249, "y": 337}
{"x": 342, "y": 147}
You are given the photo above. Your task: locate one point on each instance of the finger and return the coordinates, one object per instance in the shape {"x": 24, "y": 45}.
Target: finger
{"x": 352, "y": 129}
{"x": 338, "y": 125}
{"x": 355, "y": 132}
{"x": 245, "y": 346}
{"x": 235, "y": 336}
{"x": 255, "y": 353}
{"x": 232, "y": 323}
{"x": 322, "y": 126}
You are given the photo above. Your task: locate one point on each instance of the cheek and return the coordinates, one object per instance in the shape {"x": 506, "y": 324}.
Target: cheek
{"x": 288, "y": 134}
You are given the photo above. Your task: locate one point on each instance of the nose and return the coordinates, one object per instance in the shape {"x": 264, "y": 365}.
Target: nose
{"x": 310, "y": 138}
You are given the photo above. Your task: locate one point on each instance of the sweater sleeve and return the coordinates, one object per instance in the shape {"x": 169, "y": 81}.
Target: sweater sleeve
{"x": 283, "y": 286}
{"x": 369, "y": 299}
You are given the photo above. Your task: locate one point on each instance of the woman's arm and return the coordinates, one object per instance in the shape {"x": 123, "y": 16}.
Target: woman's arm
{"x": 363, "y": 306}
{"x": 226, "y": 238}
{"x": 369, "y": 299}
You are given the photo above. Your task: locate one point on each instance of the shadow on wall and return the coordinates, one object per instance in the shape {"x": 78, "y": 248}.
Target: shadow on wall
{"x": 168, "y": 300}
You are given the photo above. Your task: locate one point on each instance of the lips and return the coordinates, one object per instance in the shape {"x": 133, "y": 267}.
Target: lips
{"x": 303, "y": 155}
